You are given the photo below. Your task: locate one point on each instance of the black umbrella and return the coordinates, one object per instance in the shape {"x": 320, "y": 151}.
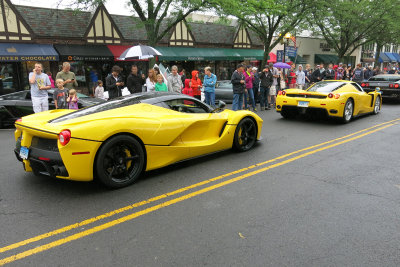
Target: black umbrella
{"x": 139, "y": 52}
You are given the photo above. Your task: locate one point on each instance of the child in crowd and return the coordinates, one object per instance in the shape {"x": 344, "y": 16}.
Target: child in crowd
{"x": 99, "y": 91}
{"x": 160, "y": 85}
{"x": 187, "y": 90}
{"x": 60, "y": 95}
{"x": 72, "y": 99}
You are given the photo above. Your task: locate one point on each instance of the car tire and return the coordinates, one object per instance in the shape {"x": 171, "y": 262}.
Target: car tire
{"x": 245, "y": 135}
{"x": 348, "y": 111}
{"x": 120, "y": 161}
{"x": 377, "y": 105}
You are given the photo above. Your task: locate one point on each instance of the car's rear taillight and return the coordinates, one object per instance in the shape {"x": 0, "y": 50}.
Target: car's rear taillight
{"x": 396, "y": 85}
{"x": 363, "y": 85}
{"x": 337, "y": 96}
{"x": 283, "y": 92}
{"x": 64, "y": 137}
{"x": 19, "y": 120}
{"x": 330, "y": 95}
{"x": 367, "y": 85}
{"x": 280, "y": 93}
{"x": 390, "y": 85}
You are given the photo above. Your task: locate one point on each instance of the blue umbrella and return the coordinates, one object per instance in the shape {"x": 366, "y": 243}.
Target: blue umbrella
{"x": 282, "y": 65}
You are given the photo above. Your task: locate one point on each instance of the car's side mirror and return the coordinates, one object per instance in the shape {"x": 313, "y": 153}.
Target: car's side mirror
{"x": 221, "y": 104}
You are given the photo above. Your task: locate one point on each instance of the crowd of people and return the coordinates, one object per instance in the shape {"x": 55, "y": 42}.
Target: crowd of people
{"x": 249, "y": 85}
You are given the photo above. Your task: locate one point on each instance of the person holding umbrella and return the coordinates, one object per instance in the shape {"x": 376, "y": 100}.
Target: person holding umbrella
{"x": 114, "y": 83}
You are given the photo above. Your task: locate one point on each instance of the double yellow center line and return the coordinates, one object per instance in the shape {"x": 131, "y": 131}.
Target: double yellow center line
{"x": 307, "y": 151}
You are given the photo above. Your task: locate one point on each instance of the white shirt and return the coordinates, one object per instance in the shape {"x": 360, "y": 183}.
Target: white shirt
{"x": 151, "y": 86}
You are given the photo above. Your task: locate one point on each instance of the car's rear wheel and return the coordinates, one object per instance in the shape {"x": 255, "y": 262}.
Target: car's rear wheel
{"x": 120, "y": 161}
{"x": 348, "y": 111}
{"x": 377, "y": 106}
{"x": 245, "y": 135}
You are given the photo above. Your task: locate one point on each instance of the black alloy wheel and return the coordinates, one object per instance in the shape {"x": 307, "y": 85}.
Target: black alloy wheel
{"x": 245, "y": 135}
{"x": 120, "y": 161}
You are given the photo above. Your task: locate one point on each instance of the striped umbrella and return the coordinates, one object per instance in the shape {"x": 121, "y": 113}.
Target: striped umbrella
{"x": 139, "y": 52}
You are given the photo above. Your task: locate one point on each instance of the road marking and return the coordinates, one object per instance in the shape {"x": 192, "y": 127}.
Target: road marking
{"x": 138, "y": 204}
{"x": 173, "y": 201}
{"x": 181, "y": 190}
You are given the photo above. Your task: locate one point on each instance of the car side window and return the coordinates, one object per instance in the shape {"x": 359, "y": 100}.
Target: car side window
{"x": 358, "y": 87}
{"x": 186, "y": 106}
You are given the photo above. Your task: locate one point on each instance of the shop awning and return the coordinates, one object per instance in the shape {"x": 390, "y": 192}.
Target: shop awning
{"x": 391, "y": 56}
{"x": 322, "y": 58}
{"x": 27, "y": 52}
{"x": 397, "y": 56}
{"x": 383, "y": 58}
{"x": 198, "y": 54}
{"x": 84, "y": 53}
{"x": 298, "y": 60}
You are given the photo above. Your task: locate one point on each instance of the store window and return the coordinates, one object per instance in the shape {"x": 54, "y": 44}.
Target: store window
{"x": 7, "y": 84}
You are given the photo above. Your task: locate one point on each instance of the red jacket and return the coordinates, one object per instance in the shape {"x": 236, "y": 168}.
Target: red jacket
{"x": 187, "y": 90}
{"x": 196, "y": 83}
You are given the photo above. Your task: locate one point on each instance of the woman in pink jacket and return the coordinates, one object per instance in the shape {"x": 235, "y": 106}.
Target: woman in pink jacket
{"x": 248, "y": 74}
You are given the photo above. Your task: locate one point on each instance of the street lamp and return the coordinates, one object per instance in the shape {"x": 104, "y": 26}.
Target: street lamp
{"x": 287, "y": 36}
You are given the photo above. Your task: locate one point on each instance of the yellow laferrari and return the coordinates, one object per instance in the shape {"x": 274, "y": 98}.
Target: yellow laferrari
{"x": 340, "y": 99}
{"x": 116, "y": 141}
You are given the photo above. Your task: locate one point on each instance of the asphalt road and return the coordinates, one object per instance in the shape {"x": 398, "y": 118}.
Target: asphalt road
{"x": 334, "y": 202}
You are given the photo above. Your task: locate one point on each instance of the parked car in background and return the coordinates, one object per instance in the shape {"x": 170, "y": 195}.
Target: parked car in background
{"x": 388, "y": 83}
{"x": 223, "y": 91}
{"x": 19, "y": 104}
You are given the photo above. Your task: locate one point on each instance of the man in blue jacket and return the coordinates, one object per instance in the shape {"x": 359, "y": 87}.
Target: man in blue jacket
{"x": 209, "y": 86}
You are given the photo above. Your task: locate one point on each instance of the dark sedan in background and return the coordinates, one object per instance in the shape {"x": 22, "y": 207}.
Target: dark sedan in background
{"x": 19, "y": 104}
{"x": 389, "y": 85}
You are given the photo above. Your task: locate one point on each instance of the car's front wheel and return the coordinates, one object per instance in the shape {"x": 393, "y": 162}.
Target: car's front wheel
{"x": 377, "y": 106}
{"x": 120, "y": 161}
{"x": 348, "y": 111}
{"x": 245, "y": 135}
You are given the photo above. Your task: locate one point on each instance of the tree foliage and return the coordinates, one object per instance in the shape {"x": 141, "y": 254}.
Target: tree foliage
{"x": 270, "y": 20}
{"x": 348, "y": 24}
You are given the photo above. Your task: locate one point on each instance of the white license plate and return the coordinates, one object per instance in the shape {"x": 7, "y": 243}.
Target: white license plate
{"x": 24, "y": 152}
{"x": 303, "y": 104}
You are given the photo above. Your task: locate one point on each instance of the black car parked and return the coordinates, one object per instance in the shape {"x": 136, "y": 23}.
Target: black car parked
{"x": 19, "y": 104}
{"x": 388, "y": 84}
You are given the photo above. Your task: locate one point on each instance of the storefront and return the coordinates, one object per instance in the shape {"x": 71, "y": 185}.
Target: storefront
{"x": 223, "y": 61}
{"x": 17, "y": 60}
{"x": 87, "y": 62}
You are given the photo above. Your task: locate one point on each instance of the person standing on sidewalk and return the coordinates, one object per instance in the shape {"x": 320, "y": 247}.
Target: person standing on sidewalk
{"x": 40, "y": 83}
{"x": 300, "y": 77}
{"x": 174, "y": 81}
{"x": 238, "y": 87}
{"x": 114, "y": 83}
{"x": 67, "y": 76}
{"x": 135, "y": 81}
{"x": 256, "y": 85}
{"x": 209, "y": 86}
{"x": 358, "y": 74}
{"x": 266, "y": 79}
{"x": 196, "y": 84}
{"x": 248, "y": 93}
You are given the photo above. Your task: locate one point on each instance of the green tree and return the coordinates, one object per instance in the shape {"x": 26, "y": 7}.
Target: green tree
{"x": 348, "y": 24}
{"x": 270, "y": 20}
{"x": 157, "y": 17}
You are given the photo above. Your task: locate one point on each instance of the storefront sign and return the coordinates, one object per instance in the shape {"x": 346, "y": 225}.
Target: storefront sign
{"x": 291, "y": 51}
{"x": 249, "y": 58}
{"x": 28, "y": 58}
{"x": 87, "y": 58}
{"x": 279, "y": 56}
{"x": 196, "y": 58}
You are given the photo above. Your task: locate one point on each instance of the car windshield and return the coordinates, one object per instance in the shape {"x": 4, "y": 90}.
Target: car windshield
{"x": 386, "y": 78}
{"x": 325, "y": 87}
{"x": 112, "y": 104}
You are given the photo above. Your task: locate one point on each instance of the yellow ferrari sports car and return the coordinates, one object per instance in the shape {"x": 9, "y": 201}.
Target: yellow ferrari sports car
{"x": 117, "y": 140}
{"x": 340, "y": 99}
